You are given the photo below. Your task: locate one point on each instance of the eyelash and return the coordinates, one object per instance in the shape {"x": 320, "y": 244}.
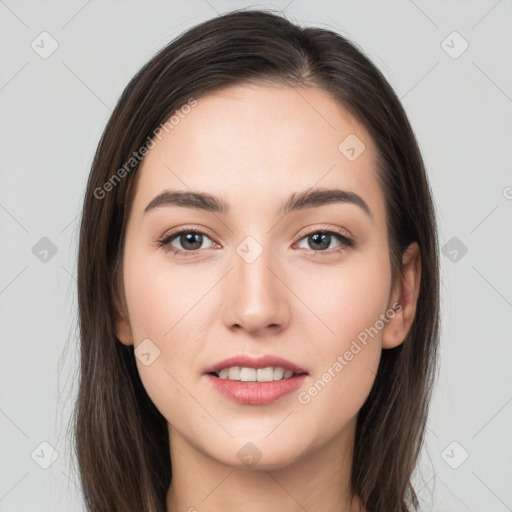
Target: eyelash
{"x": 345, "y": 242}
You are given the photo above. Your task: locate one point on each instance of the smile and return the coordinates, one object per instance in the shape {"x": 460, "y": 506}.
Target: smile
{"x": 247, "y": 374}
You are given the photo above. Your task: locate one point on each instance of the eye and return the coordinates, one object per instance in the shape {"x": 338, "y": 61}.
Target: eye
{"x": 321, "y": 240}
{"x": 189, "y": 241}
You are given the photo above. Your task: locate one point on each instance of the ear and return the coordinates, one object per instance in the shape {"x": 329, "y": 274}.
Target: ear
{"x": 404, "y": 297}
{"x": 122, "y": 326}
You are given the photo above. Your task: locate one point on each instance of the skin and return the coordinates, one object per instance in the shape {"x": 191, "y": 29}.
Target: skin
{"x": 254, "y": 146}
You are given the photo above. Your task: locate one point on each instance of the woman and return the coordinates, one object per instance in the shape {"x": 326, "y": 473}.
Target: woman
{"x": 257, "y": 280}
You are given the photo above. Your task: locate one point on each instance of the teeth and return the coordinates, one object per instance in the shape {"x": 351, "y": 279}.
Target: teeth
{"x": 245, "y": 374}
{"x": 279, "y": 373}
{"x": 265, "y": 374}
{"x": 234, "y": 373}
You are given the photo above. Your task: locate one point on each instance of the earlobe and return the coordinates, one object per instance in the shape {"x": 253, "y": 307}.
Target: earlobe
{"x": 123, "y": 328}
{"x": 404, "y": 298}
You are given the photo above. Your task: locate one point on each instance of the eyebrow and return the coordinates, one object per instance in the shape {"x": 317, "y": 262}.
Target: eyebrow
{"x": 312, "y": 198}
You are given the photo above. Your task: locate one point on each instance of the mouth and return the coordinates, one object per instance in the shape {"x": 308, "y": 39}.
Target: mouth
{"x": 255, "y": 381}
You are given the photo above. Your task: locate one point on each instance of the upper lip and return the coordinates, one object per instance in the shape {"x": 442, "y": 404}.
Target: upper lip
{"x": 244, "y": 360}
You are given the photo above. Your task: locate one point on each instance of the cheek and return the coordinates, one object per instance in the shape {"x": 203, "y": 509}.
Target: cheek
{"x": 344, "y": 301}
{"x": 161, "y": 295}
{"x": 357, "y": 300}
{"x": 347, "y": 347}
{"x": 172, "y": 306}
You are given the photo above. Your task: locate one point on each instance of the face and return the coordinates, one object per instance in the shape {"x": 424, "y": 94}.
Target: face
{"x": 310, "y": 284}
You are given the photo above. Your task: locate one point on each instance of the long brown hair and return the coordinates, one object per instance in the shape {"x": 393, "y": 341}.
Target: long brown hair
{"x": 121, "y": 439}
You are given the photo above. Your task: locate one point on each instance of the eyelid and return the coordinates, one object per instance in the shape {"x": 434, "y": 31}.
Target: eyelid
{"x": 336, "y": 229}
{"x": 188, "y": 229}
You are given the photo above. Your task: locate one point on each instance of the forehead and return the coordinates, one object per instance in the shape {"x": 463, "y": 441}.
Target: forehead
{"x": 256, "y": 145}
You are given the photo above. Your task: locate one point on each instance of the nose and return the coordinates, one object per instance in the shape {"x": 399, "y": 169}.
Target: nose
{"x": 256, "y": 295}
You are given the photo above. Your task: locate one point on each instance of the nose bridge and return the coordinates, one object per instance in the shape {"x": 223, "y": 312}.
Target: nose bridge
{"x": 257, "y": 299}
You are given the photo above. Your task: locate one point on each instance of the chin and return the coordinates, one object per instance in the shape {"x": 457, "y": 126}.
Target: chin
{"x": 259, "y": 454}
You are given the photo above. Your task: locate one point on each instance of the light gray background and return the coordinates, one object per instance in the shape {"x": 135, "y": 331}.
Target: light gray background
{"x": 53, "y": 111}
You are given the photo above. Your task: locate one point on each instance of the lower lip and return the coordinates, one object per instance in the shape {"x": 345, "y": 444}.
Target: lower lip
{"x": 255, "y": 393}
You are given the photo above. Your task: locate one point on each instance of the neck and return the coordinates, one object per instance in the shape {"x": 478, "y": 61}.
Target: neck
{"x": 318, "y": 481}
